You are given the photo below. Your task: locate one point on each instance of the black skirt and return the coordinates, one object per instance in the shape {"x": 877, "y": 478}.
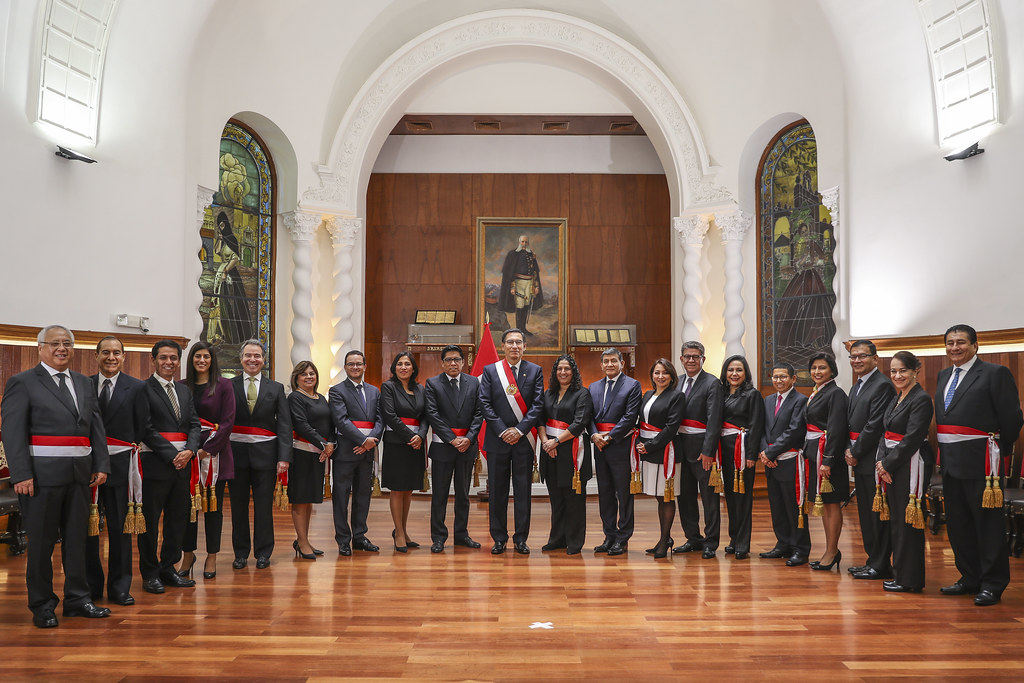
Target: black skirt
{"x": 402, "y": 467}
{"x": 305, "y": 478}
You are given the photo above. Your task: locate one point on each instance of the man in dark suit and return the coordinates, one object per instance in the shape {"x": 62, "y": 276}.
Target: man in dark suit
{"x": 261, "y": 443}
{"x": 170, "y": 442}
{"x": 616, "y": 407}
{"x": 511, "y": 400}
{"x": 124, "y": 421}
{"x": 784, "y": 432}
{"x": 56, "y": 449}
{"x": 354, "y": 405}
{"x": 869, "y": 397}
{"x": 454, "y": 414}
{"x": 973, "y": 400}
{"x": 699, "y": 434}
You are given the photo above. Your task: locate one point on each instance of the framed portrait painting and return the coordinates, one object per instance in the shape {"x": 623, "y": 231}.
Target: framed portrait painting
{"x": 521, "y": 279}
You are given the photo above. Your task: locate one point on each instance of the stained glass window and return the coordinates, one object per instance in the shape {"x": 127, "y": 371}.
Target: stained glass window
{"x": 237, "y": 251}
{"x": 796, "y": 254}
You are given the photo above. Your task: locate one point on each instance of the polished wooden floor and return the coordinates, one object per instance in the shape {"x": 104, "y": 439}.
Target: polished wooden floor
{"x": 467, "y": 615}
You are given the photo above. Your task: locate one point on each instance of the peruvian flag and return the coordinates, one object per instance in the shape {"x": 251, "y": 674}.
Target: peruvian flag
{"x": 486, "y": 354}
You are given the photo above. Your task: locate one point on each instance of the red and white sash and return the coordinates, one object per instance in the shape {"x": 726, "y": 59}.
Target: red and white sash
{"x": 59, "y": 446}
{"x": 300, "y": 444}
{"x": 176, "y": 439}
{"x": 407, "y": 421}
{"x": 816, "y": 433}
{"x": 692, "y": 427}
{"x": 853, "y": 438}
{"x": 514, "y": 397}
{"x": 649, "y": 431}
{"x": 251, "y": 434}
{"x": 634, "y": 460}
{"x": 916, "y": 466}
{"x": 739, "y": 452}
{"x": 455, "y": 430}
{"x": 365, "y": 427}
{"x": 956, "y": 434}
{"x": 556, "y": 428}
{"x": 209, "y": 428}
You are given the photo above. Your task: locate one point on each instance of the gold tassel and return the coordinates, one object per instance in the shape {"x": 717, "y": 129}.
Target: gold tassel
{"x": 808, "y": 506}
{"x": 284, "y": 497}
{"x": 204, "y": 498}
{"x": 997, "y": 493}
{"x": 140, "y": 520}
{"x": 426, "y": 482}
{"x": 576, "y": 486}
{"x": 476, "y": 471}
{"x": 715, "y": 478}
{"x": 743, "y": 484}
{"x": 909, "y": 514}
{"x": 376, "y": 488}
{"x": 884, "y": 514}
{"x": 635, "y": 486}
{"x": 129, "y": 520}
{"x": 826, "y": 485}
{"x": 876, "y": 504}
{"x": 327, "y": 487}
{"x": 277, "y": 494}
{"x": 212, "y": 506}
{"x": 670, "y": 488}
{"x": 799, "y": 517}
{"x": 819, "y": 507}
{"x": 918, "y": 516}
{"x": 988, "y": 498}
{"x": 536, "y": 473}
{"x": 94, "y": 520}
{"x": 736, "y": 482}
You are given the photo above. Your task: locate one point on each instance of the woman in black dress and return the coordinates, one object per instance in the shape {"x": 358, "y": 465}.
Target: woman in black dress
{"x": 312, "y": 443}
{"x": 661, "y": 411}
{"x": 742, "y": 429}
{"x": 565, "y": 463}
{"x": 403, "y": 409}
{"x": 824, "y": 449}
{"x": 904, "y": 464}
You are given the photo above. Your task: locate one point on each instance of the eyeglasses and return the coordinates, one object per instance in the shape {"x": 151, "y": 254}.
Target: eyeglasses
{"x": 692, "y": 357}
{"x": 63, "y": 344}
{"x": 780, "y": 378}
{"x": 354, "y": 365}
{"x": 860, "y": 356}
{"x": 453, "y": 359}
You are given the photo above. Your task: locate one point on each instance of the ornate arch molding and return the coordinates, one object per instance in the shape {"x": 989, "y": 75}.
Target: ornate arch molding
{"x": 675, "y": 133}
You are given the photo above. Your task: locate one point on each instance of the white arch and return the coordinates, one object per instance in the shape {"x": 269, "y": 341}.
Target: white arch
{"x": 380, "y": 102}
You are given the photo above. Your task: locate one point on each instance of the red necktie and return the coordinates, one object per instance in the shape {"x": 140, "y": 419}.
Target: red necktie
{"x": 778, "y": 404}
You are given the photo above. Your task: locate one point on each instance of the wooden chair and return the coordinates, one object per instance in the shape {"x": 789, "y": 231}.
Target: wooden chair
{"x": 10, "y": 508}
{"x": 1013, "y": 506}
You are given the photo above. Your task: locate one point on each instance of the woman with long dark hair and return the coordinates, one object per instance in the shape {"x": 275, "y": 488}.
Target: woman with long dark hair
{"x": 742, "y": 429}
{"x": 312, "y": 444}
{"x": 403, "y": 407}
{"x": 661, "y": 412}
{"x": 215, "y": 403}
{"x": 565, "y": 463}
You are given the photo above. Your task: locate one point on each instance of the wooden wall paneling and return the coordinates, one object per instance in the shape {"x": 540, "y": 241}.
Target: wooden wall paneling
{"x": 612, "y": 254}
{"x": 424, "y": 254}
{"x": 618, "y": 199}
{"x": 645, "y": 306}
{"x": 419, "y": 199}
{"x": 401, "y": 301}
{"x": 532, "y": 195}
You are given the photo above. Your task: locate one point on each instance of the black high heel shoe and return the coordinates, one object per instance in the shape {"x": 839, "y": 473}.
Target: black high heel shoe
{"x": 650, "y": 551}
{"x": 662, "y": 551}
{"x": 399, "y": 548}
{"x": 207, "y": 574}
{"x": 821, "y": 567}
{"x": 299, "y": 553}
{"x": 317, "y": 551}
{"x": 187, "y": 573}
{"x": 411, "y": 544}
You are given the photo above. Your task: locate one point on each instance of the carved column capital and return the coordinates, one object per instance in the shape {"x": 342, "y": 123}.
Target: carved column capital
{"x": 301, "y": 225}
{"x": 204, "y": 198}
{"x": 830, "y": 198}
{"x": 734, "y": 225}
{"x": 692, "y": 229}
{"x": 344, "y": 231}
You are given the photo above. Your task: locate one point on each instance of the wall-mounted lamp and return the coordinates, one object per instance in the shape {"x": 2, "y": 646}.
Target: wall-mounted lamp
{"x": 139, "y": 321}
{"x": 65, "y": 153}
{"x": 965, "y": 153}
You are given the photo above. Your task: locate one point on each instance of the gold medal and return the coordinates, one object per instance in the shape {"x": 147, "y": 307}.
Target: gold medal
{"x": 511, "y": 390}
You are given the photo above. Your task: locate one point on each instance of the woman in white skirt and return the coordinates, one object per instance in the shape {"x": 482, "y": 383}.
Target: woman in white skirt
{"x": 660, "y": 414}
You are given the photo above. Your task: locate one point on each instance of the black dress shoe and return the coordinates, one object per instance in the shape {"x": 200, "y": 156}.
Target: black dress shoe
{"x": 87, "y": 609}
{"x": 123, "y": 599}
{"x": 872, "y": 574}
{"x": 689, "y": 547}
{"x": 795, "y": 560}
{"x": 854, "y": 570}
{"x": 437, "y": 547}
{"x": 617, "y": 549}
{"x": 985, "y": 598}
{"x": 467, "y": 542}
{"x": 742, "y": 554}
{"x": 603, "y": 548}
{"x": 345, "y": 549}
{"x": 522, "y": 548}
{"x": 573, "y": 551}
{"x": 498, "y": 548}
{"x": 730, "y": 549}
{"x": 893, "y": 587}
{"x": 45, "y": 619}
{"x": 774, "y": 554}
{"x": 957, "y": 588}
{"x": 155, "y": 586}
{"x": 365, "y": 544}
{"x": 175, "y": 580}
{"x": 552, "y": 546}
{"x": 263, "y": 562}
{"x": 240, "y": 563}
{"x": 708, "y": 554}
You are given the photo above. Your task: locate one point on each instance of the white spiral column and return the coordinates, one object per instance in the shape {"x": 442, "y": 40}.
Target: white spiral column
{"x": 734, "y": 226}
{"x": 830, "y": 198}
{"x": 691, "y": 231}
{"x": 344, "y": 232}
{"x": 302, "y": 228}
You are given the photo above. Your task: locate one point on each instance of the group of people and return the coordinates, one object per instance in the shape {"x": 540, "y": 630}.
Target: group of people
{"x": 161, "y": 449}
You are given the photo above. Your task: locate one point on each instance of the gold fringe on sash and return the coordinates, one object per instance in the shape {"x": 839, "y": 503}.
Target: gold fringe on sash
{"x": 536, "y": 472}
{"x": 129, "y": 520}
{"x": 819, "y": 506}
{"x": 576, "y": 485}
{"x": 799, "y": 517}
{"x": 670, "y": 488}
{"x": 826, "y": 485}
{"x": 876, "y": 504}
{"x": 140, "y": 520}
{"x": 884, "y": 514}
{"x": 715, "y": 479}
{"x": 635, "y": 485}
{"x": 988, "y": 499}
{"x": 284, "y": 497}
{"x": 918, "y": 515}
{"x": 376, "y": 488}
{"x": 476, "y": 471}
{"x": 327, "y": 487}
{"x": 204, "y": 498}
{"x": 426, "y": 482}
{"x": 94, "y": 519}
{"x": 212, "y": 495}
{"x": 277, "y": 494}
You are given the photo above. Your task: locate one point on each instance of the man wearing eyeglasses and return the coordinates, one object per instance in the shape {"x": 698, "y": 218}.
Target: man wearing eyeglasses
{"x": 698, "y": 441}
{"x": 454, "y": 415}
{"x": 869, "y": 397}
{"x": 56, "y": 450}
{"x": 360, "y": 426}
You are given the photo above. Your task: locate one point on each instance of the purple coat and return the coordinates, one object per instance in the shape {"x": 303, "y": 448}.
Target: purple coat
{"x": 220, "y": 410}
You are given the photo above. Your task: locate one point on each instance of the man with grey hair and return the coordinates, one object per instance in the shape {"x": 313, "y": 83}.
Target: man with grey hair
{"x": 56, "y": 449}
{"x": 521, "y": 291}
{"x": 261, "y": 443}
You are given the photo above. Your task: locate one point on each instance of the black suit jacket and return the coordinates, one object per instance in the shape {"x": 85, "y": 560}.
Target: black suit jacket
{"x": 785, "y": 431}
{"x": 864, "y": 415}
{"x": 34, "y": 406}
{"x": 985, "y": 399}
{"x": 704, "y": 404}
{"x": 911, "y": 417}
{"x": 461, "y": 411}
{"x": 622, "y": 407}
{"x": 124, "y": 418}
{"x": 270, "y": 412}
{"x": 666, "y": 413}
{"x": 497, "y": 411}
{"x": 346, "y": 406}
{"x": 158, "y": 462}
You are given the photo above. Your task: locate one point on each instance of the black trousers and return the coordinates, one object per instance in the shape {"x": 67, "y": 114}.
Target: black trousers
{"x": 51, "y": 511}
{"x": 614, "y": 501}
{"x": 213, "y": 523}
{"x": 876, "y": 534}
{"x": 693, "y": 480}
{"x": 789, "y": 536}
{"x": 261, "y": 483}
{"x": 515, "y": 466}
{"x": 976, "y": 534}
{"x": 444, "y": 473}
{"x": 739, "y": 505}
{"x": 119, "y": 562}
{"x": 167, "y": 498}
{"x": 907, "y": 543}
{"x": 353, "y": 480}
{"x": 568, "y": 516}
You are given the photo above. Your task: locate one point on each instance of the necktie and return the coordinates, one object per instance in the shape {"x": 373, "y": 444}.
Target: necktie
{"x": 608, "y": 384}
{"x": 515, "y": 374}
{"x": 105, "y": 394}
{"x": 250, "y": 396}
{"x": 453, "y": 384}
{"x": 63, "y": 379}
{"x": 174, "y": 399}
{"x": 688, "y": 385}
{"x": 778, "y": 404}
{"x": 952, "y": 388}
{"x": 860, "y": 383}
{"x": 362, "y": 397}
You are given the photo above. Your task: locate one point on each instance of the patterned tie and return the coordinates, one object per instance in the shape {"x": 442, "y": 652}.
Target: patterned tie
{"x": 250, "y": 396}
{"x": 952, "y": 388}
{"x": 362, "y": 397}
{"x": 105, "y": 394}
{"x": 688, "y": 385}
{"x": 174, "y": 399}
{"x": 778, "y": 404}
{"x": 63, "y": 379}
